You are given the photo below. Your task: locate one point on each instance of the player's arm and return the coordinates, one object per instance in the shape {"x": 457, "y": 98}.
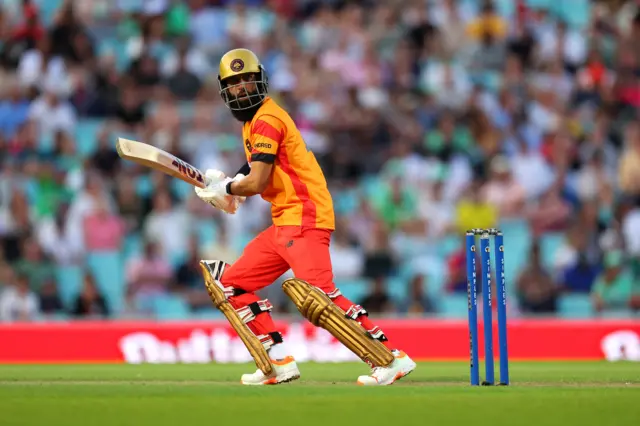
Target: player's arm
{"x": 255, "y": 183}
{"x": 266, "y": 136}
{"x": 244, "y": 170}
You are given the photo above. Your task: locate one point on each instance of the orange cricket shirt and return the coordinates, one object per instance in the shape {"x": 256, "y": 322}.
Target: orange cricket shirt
{"x": 297, "y": 188}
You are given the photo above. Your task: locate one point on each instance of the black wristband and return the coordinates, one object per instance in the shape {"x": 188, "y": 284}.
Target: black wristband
{"x": 229, "y": 188}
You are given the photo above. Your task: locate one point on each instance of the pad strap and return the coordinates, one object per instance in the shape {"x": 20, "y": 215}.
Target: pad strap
{"x": 249, "y": 312}
{"x": 377, "y": 334}
{"x": 270, "y": 339}
{"x": 356, "y": 311}
{"x": 335, "y": 293}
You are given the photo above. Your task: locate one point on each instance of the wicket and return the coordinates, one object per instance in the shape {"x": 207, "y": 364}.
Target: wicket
{"x": 472, "y": 302}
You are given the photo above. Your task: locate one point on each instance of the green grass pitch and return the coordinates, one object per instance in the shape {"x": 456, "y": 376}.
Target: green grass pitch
{"x": 593, "y": 393}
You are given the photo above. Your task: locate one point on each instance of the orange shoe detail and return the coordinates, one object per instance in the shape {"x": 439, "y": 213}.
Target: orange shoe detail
{"x": 283, "y": 361}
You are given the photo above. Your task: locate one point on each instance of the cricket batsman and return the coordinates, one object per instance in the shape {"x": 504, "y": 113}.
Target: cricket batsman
{"x": 285, "y": 173}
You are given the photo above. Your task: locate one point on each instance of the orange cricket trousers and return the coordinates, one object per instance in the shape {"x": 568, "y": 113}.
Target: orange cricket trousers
{"x": 272, "y": 253}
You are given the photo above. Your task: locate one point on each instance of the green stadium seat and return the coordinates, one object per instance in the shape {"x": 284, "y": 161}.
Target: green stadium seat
{"x": 87, "y": 136}
{"x": 549, "y": 245}
{"x": 539, "y": 4}
{"x": 70, "y": 280}
{"x": 108, "y": 270}
{"x": 170, "y": 307}
{"x": 48, "y": 9}
{"x": 132, "y": 246}
{"x": 181, "y": 188}
{"x": 575, "y": 306}
{"x": 398, "y": 290}
{"x": 207, "y": 232}
{"x": 575, "y": 13}
{"x": 453, "y": 305}
{"x": 354, "y": 289}
{"x": 619, "y": 314}
{"x": 144, "y": 186}
{"x": 207, "y": 314}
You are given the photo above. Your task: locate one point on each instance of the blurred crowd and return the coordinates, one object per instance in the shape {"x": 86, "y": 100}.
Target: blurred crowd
{"x": 429, "y": 117}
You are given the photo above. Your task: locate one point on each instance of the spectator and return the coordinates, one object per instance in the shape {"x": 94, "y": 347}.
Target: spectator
{"x": 186, "y": 59}
{"x": 147, "y": 276}
{"x": 86, "y": 201}
{"x": 59, "y": 240}
{"x": 66, "y": 26}
{"x": 106, "y": 79}
{"x": 615, "y": 288}
{"x": 50, "y": 303}
{"x": 474, "y": 212}
{"x": 40, "y": 68}
{"x": 551, "y": 212}
{"x": 69, "y": 164}
{"x": 188, "y": 279}
{"x": 488, "y": 22}
{"x": 169, "y": 226}
{"x": 15, "y": 223}
{"x": 51, "y": 113}
{"x": 629, "y": 170}
{"x": 537, "y": 292}
{"x": 17, "y": 301}
{"x": 397, "y": 206}
{"x": 379, "y": 262}
{"x": 378, "y": 301}
{"x": 208, "y": 27}
{"x": 563, "y": 43}
{"x": 34, "y": 265}
{"x": 429, "y": 118}
{"x": 164, "y": 121}
{"x": 130, "y": 112}
{"x": 103, "y": 231}
{"x": 27, "y": 35}
{"x": 105, "y": 159}
{"x": 50, "y": 190}
{"x": 418, "y": 301}
{"x": 14, "y": 109}
{"x": 89, "y": 302}
{"x": 437, "y": 212}
{"x": 130, "y": 206}
{"x": 346, "y": 257}
{"x": 503, "y": 191}
{"x": 456, "y": 275}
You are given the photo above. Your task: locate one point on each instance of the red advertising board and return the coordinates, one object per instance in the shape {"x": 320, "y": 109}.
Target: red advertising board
{"x": 214, "y": 341}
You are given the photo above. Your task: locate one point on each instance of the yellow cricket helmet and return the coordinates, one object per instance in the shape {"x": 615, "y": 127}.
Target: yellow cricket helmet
{"x": 234, "y": 64}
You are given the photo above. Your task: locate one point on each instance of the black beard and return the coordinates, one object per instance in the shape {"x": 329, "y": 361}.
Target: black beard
{"x": 245, "y": 115}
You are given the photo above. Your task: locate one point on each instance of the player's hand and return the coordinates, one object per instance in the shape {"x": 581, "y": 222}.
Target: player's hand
{"x": 240, "y": 199}
{"x": 215, "y": 193}
{"x": 213, "y": 176}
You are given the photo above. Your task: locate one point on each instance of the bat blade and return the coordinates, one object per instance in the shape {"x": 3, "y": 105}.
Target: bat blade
{"x": 158, "y": 159}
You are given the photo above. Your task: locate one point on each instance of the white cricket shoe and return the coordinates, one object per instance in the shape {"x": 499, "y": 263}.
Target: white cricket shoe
{"x": 284, "y": 370}
{"x": 382, "y": 376}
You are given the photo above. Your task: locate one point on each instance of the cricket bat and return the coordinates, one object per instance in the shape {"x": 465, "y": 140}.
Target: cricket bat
{"x": 150, "y": 156}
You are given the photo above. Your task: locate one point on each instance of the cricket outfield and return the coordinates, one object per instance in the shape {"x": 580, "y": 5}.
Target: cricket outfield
{"x": 581, "y": 393}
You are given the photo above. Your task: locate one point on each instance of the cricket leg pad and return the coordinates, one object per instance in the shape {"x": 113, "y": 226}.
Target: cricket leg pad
{"x": 210, "y": 270}
{"x": 318, "y": 308}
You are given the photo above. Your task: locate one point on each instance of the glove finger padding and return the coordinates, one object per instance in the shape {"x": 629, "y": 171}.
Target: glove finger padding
{"x": 214, "y": 176}
{"x": 318, "y": 308}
